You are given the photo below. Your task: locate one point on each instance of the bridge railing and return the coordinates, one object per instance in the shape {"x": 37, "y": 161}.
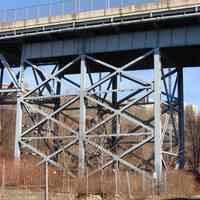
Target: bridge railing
{"x": 62, "y": 7}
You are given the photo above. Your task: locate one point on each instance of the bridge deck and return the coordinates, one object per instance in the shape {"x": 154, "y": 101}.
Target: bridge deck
{"x": 142, "y": 11}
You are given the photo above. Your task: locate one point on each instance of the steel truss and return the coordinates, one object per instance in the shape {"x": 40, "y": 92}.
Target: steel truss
{"x": 86, "y": 124}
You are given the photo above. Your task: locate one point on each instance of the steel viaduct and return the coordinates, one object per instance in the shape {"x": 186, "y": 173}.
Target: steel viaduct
{"x": 103, "y": 48}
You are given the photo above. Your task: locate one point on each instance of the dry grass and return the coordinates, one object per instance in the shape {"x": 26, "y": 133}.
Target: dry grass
{"x": 25, "y": 176}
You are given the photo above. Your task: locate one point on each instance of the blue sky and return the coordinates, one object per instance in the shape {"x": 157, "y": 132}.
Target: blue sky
{"x": 10, "y": 4}
{"x": 24, "y": 3}
{"x": 191, "y": 76}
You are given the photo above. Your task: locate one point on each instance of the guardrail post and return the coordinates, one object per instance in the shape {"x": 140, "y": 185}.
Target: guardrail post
{"x": 108, "y": 4}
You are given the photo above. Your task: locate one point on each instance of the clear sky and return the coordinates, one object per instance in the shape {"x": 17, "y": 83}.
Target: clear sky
{"x": 24, "y": 3}
{"x": 191, "y": 76}
{"x": 10, "y": 4}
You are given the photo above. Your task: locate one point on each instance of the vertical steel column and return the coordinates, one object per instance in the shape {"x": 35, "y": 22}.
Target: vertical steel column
{"x": 114, "y": 93}
{"x": 82, "y": 122}
{"x": 57, "y": 106}
{"x": 157, "y": 115}
{"x": 171, "y": 118}
{"x": 18, "y": 126}
{"x": 100, "y": 86}
{"x": 181, "y": 136}
{"x": 1, "y": 76}
{"x": 170, "y": 83}
{"x": 18, "y": 129}
{"x": 114, "y": 104}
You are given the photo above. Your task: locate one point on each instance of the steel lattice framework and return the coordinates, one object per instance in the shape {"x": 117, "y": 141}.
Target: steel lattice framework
{"x": 85, "y": 123}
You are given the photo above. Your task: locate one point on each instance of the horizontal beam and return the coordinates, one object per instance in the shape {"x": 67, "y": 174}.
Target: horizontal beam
{"x": 170, "y": 37}
{"x": 10, "y": 90}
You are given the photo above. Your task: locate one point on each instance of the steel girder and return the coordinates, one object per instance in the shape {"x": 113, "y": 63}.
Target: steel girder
{"x": 88, "y": 123}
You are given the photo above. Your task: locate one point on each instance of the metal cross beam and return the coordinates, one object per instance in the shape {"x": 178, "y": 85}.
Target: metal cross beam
{"x": 90, "y": 123}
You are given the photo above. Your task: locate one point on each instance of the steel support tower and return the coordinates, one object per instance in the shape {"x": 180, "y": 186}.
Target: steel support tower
{"x": 81, "y": 102}
{"x": 86, "y": 121}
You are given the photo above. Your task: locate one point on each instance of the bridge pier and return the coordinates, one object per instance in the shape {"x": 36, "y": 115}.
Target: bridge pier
{"x": 75, "y": 114}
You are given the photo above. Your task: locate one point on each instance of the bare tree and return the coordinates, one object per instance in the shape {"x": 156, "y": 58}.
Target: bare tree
{"x": 192, "y": 127}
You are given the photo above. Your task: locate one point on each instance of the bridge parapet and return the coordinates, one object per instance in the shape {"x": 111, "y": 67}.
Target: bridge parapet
{"x": 50, "y": 17}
